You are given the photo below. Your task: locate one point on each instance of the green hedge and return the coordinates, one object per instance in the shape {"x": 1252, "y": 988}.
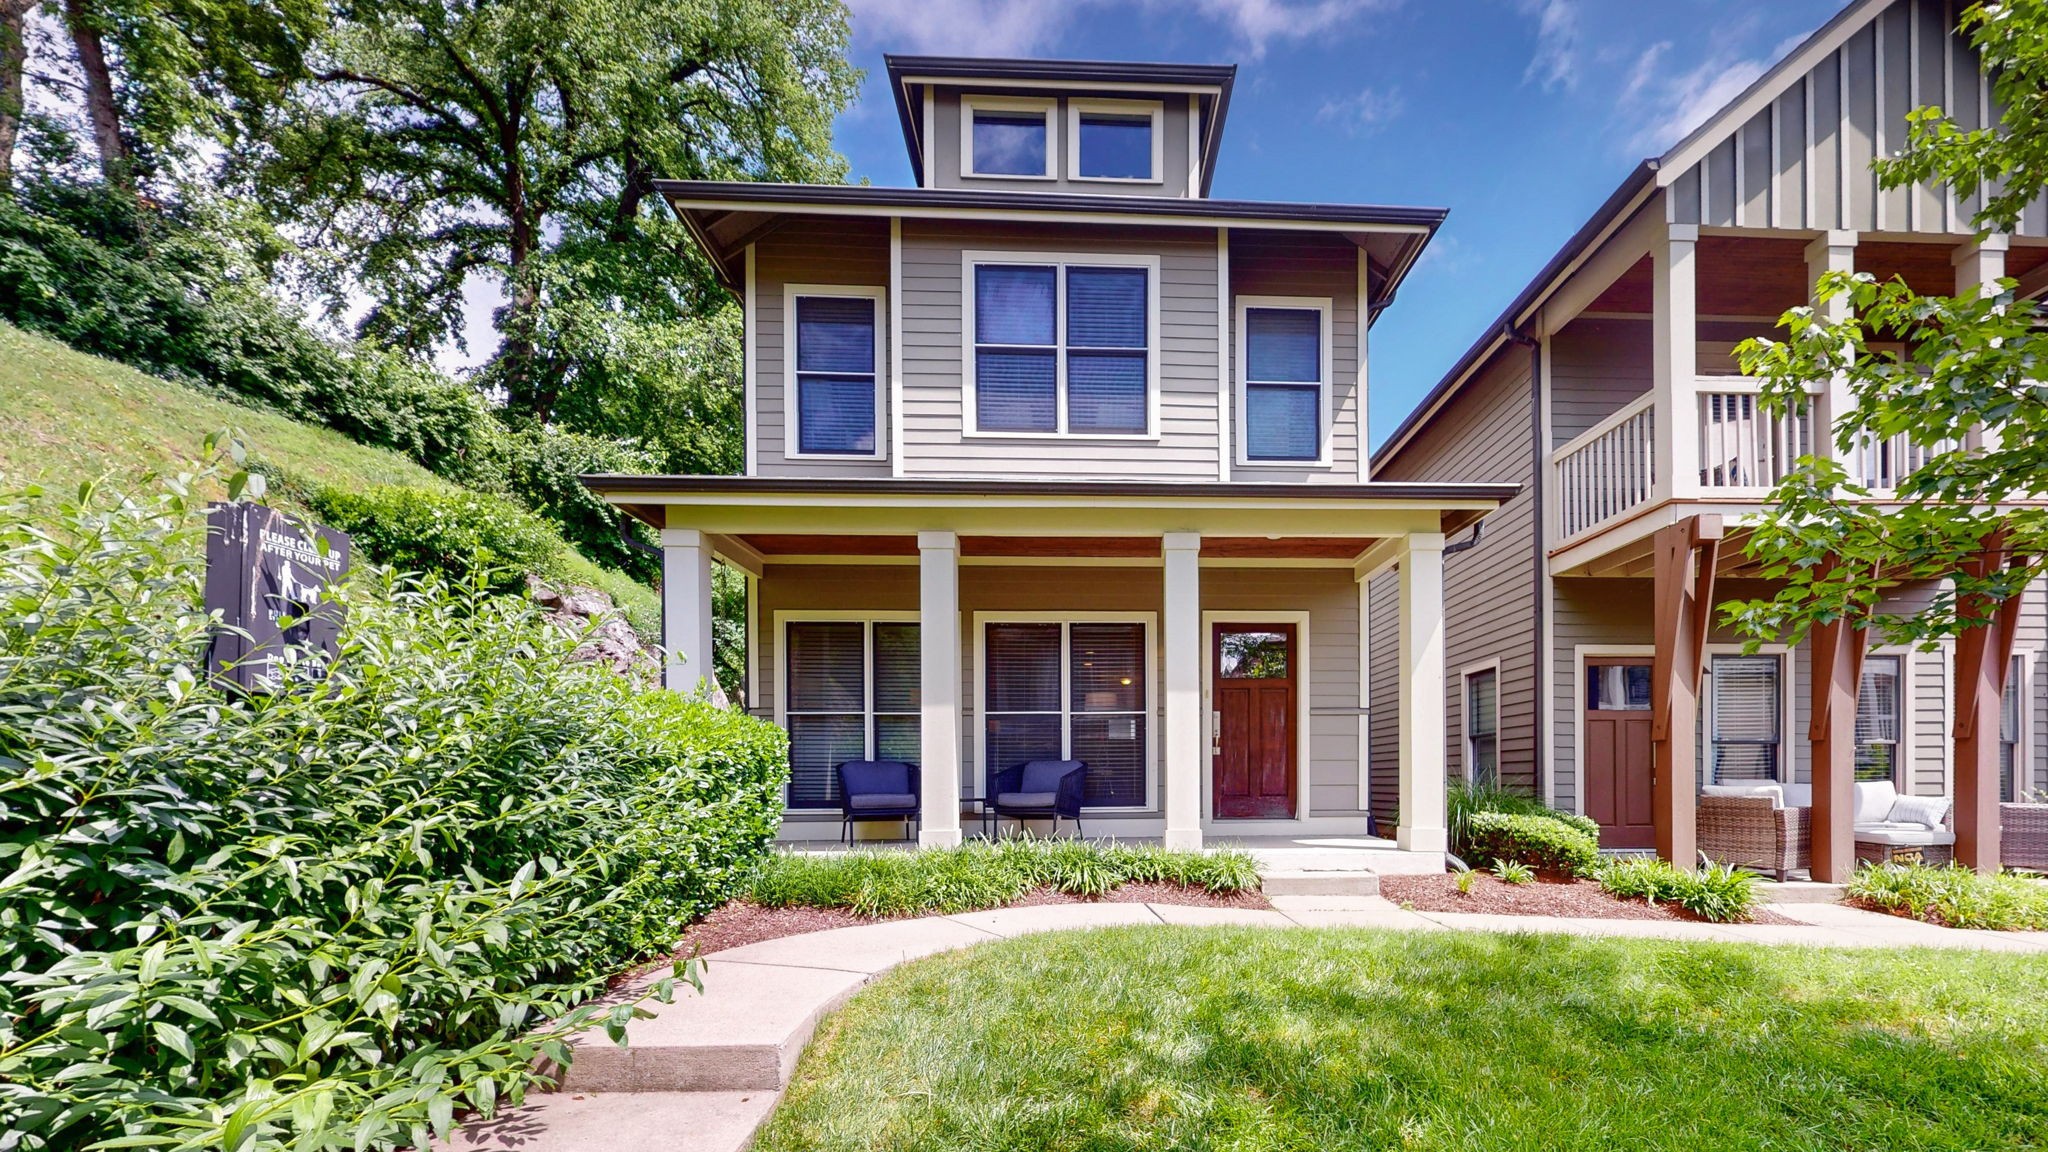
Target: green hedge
{"x": 1542, "y": 842}
{"x": 334, "y": 916}
{"x": 463, "y": 535}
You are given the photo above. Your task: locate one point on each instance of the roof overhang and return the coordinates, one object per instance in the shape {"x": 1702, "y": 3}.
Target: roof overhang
{"x": 911, "y": 76}
{"x": 726, "y": 216}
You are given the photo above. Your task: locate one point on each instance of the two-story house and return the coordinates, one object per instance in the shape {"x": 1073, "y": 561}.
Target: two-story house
{"x": 1055, "y": 456}
{"x": 1585, "y": 661}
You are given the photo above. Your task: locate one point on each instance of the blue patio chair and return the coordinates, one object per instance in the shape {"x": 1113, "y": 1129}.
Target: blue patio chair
{"x": 878, "y": 790}
{"x": 1038, "y": 790}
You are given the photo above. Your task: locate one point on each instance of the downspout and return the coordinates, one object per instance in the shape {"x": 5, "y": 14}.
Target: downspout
{"x": 1537, "y": 521}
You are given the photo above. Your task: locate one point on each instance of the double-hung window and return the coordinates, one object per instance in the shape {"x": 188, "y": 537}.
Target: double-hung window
{"x": 1879, "y": 710}
{"x": 1069, "y": 690}
{"x": 1062, "y": 347}
{"x": 1744, "y": 729}
{"x": 834, "y": 370}
{"x": 850, "y": 692}
{"x": 2010, "y": 716}
{"x": 1482, "y": 728}
{"x": 1283, "y": 368}
{"x": 1006, "y": 137}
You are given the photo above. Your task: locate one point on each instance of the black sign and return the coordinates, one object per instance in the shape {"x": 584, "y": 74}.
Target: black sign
{"x": 265, "y": 575}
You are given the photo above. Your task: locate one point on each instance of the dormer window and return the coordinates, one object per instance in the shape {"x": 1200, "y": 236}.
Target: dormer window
{"x": 1114, "y": 140}
{"x": 1008, "y": 137}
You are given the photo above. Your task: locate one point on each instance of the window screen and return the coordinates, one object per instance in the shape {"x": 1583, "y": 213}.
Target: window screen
{"x": 1283, "y": 391}
{"x": 1745, "y": 727}
{"x": 835, "y": 374}
{"x": 1878, "y": 708}
{"x": 1482, "y": 728}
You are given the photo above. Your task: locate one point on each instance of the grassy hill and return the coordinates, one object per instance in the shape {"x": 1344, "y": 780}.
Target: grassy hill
{"x": 66, "y": 417}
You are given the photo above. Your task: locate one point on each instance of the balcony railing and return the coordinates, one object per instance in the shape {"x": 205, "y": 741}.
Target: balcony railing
{"x": 1879, "y": 465}
{"x": 1608, "y": 469}
{"x": 1741, "y": 445}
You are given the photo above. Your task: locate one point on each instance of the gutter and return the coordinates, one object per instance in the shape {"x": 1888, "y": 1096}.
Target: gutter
{"x": 1540, "y": 659}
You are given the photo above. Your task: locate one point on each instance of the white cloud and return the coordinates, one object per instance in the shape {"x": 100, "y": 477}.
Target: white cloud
{"x": 1556, "y": 62}
{"x": 1666, "y": 106}
{"x": 1369, "y": 111}
{"x": 1258, "y": 23}
{"x": 1031, "y": 27}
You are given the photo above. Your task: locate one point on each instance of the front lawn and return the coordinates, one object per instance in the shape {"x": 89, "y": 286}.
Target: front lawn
{"x": 1156, "y": 1038}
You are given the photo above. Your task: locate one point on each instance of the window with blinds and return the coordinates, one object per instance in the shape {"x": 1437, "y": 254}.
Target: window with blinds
{"x": 852, "y": 694}
{"x": 1283, "y": 384}
{"x": 1745, "y": 730}
{"x": 1069, "y": 691}
{"x": 1482, "y": 728}
{"x": 2009, "y": 728}
{"x": 1062, "y": 348}
{"x": 836, "y": 371}
{"x": 1879, "y": 716}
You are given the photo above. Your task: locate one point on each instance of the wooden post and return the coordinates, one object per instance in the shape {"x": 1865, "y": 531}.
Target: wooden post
{"x": 1838, "y": 648}
{"x": 1983, "y": 658}
{"x": 1686, "y": 554}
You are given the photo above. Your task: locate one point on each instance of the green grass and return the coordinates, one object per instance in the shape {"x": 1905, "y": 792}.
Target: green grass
{"x": 1957, "y": 897}
{"x": 984, "y": 875}
{"x": 67, "y": 417}
{"x": 1256, "y": 1039}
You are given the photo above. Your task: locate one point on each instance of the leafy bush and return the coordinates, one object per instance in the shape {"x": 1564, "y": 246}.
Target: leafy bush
{"x": 542, "y": 468}
{"x": 1955, "y": 896}
{"x": 1715, "y": 892}
{"x": 1542, "y": 842}
{"x": 1462, "y": 799}
{"x": 1514, "y": 872}
{"x": 333, "y": 916}
{"x": 463, "y": 535}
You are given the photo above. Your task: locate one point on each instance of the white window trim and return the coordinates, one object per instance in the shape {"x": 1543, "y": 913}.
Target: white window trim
{"x": 1326, "y": 306}
{"x": 1580, "y": 654}
{"x": 970, "y": 417}
{"x": 1465, "y": 676}
{"x": 1903, "y": 778}
{"x": 783, "y": 619}
{"x": 1788, "y": 753}
{"x": 1303, "y": 694}
{"x": 1045, "y": 106}
{"x": 1078, "y": 106}
{"x": 1153, "y": 705}
{"x": 2022, "y": 759}
{"x": 792, "y": 439}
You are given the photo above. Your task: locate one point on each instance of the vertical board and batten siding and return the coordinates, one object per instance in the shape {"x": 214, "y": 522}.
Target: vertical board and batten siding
{"x": 1329, "y": 595}
{"x": 1489, "y": 590}
{"x": 1312, "y": 265}
{"x": 1803, "y": 161}
{"x": 935, "y": 443}
{"x": 1173, "y": 151}
{"x": 831, "y": 250}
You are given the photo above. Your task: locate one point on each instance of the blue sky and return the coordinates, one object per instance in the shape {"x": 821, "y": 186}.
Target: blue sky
{"x": 1520, "y": 116}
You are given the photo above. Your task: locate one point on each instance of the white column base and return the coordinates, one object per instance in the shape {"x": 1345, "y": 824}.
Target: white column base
{"x": 938, "y": 838}
{"x": 1183, "y": 839}
{"x": 1411, "y": 839}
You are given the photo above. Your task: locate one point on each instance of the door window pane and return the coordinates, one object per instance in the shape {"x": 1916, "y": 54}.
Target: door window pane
{"x": 835, "y": 381}
{"x": 1618, "y": 688}
{"x": 1116, "y": 147}
{"x": 1009, "y": 143}
{"x": 1254, "y": 655}
{"x": 1745, "y": 725}
{"x": 1877, "y": 720}
{"x": 1284, "y": 383}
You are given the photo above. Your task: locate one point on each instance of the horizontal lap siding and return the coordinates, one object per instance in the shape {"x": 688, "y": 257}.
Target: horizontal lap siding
{"x": 933, "y": 409}
{"x": 1383, "y": 666}
{"x": 1298, "y": 264}
{"x": 810, "y": 251}
{"x": 1604, "y": 612}
{"x": 1597, "y": 368}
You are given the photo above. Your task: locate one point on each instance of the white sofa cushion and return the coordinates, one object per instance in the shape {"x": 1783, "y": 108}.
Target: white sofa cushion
{"x": 1775, "y": 792}
{"x": 1904, "y": 835}
{"x": 1925, "y": 811}
{"x": 1798, "y": 795}
{"x": 1873, "y": 801}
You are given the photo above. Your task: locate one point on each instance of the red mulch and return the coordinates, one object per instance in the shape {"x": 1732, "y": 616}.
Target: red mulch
{"x": 1548, "y": 896}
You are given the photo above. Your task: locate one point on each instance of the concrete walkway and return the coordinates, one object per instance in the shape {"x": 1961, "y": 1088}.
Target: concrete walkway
{"x": 704, "y": 1072}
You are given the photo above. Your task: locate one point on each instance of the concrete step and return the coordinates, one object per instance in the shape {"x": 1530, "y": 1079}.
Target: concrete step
{"x": 620, "y": 1122}
{"x": 1320, "y": 883}
{"x": 1798, "y": 892}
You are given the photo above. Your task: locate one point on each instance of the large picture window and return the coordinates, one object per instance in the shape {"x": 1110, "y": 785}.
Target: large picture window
{"x": 1744, "y": 732}
{"x": 1879, "y": 704}
{"x": 1069, "y": 690}
{"x": 1284, "y": 370}
{"x": 834, "y": 369}
{"x": 850, "y": 693}
{"x": 1062, "y": 347}
{"x": 1482, "y": 728}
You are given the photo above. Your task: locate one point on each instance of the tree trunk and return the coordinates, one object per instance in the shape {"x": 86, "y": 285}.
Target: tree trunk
{"x": 13, "y": 58}
{"x": 99, "y": 94}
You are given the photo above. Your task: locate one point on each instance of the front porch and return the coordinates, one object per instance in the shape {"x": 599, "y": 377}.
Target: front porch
{"x": 1200, "y": 647}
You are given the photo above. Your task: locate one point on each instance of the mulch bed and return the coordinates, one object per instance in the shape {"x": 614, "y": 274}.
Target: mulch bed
{"x": 1548, "y": 896}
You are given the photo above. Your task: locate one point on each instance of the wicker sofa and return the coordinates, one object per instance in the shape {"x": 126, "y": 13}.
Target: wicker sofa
{"x": 2023, "y": 836}
{"x": 1746, "y": 829}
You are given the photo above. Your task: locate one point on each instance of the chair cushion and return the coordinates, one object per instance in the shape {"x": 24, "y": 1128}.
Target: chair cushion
{"x": 1904, "y": 835}
{"x": 1772, "y": 791}
{"x": 882, "y": 800}
{"x": 1025, "y": 799}
{"x": 1044, "y": 776}
{"x": 1873, "y": 801}
{"x": 1925, "y": 811}
{"x": 1798, "y": 795}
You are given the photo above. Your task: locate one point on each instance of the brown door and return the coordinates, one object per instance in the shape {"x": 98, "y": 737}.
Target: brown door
{"x": 1618, "y": 756}
{"x": 1252, "y": 728}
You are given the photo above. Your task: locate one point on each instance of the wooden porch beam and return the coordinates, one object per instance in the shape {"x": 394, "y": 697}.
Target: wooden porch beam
{"x": 1838, "y": 650}
{"x": 1684, "y": 606}
{"x": 1983, "y": 658}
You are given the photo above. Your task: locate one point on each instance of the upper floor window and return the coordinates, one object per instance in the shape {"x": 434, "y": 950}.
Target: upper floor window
{"x": 1006, "y": 136}
{"x": 1061, "y": 347}
{"x": 1114, "y": 140}
{"x": 1283, "y": 369}
{"x": 834, "y": 376}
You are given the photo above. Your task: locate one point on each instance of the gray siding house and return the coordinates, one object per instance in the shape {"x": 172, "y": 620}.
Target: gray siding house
{"x": 1607, "y": 393}
{"x": 1055, "y": 456}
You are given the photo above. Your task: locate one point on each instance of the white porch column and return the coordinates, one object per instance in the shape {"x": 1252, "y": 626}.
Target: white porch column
{"x": 1981, "y": 265}
{"x": 1833, "y": 252}
{"x": 1675, "y": 361}
{"x": 1422, "y": 694}
{"x": 685, "y": 609}
{"x": 938, "y": 624}
{"x": 1187, "y": 725}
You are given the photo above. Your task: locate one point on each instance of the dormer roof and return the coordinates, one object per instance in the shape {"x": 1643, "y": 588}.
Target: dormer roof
{"x": 911, "y": 76}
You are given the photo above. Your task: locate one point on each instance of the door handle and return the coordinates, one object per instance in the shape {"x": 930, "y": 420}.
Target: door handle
{"x": 1215, "y": 732}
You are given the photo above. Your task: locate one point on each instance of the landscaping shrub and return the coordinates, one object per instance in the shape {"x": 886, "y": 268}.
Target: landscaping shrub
{"x": 333, "y": 916}
{"x": 1715, "y": 892}
{"x": 1542, "y": 842}
{"x": 1955, "y": 896}
{"x": 1463, "y": 799}
{"x": 463, "y": 535}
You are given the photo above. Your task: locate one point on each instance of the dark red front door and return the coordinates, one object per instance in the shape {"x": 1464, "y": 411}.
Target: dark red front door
{"x": 1618, "y": 755}
{"x": 1254, "y": 682}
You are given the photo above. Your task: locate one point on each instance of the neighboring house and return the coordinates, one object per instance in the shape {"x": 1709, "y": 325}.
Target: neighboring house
{"x": 1054, "y": 456}
{"x": 1608, "y": 392}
